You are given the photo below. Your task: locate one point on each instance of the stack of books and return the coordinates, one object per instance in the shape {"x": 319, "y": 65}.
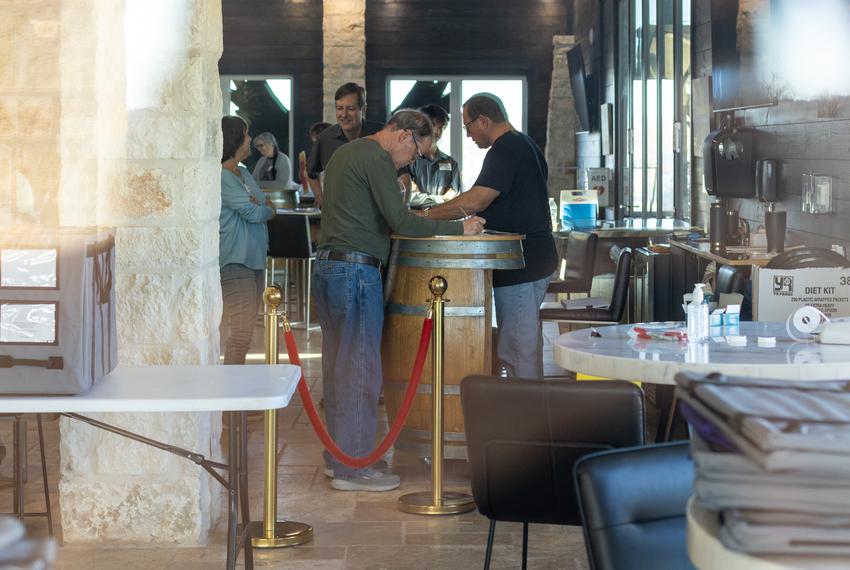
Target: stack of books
{"x": 773, "y": 458}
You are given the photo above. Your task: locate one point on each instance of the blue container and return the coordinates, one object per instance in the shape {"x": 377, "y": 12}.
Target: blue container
{"x": 578, "y": 215}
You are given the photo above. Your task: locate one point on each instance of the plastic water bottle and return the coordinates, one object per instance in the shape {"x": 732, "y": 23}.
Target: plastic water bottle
{"x": 697, "y": 315}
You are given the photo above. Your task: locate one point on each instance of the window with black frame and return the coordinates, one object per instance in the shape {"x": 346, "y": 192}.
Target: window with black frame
{"x": 654, "y": 95}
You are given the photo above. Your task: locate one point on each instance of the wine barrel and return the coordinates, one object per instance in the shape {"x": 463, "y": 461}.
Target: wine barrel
{"x": 467, "y": 264}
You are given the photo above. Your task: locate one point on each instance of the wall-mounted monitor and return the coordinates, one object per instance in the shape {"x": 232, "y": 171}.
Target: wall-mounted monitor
{"x": 582, "y": 89}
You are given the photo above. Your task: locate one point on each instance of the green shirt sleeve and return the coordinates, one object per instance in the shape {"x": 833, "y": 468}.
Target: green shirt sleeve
{"x": 387, "y": 195}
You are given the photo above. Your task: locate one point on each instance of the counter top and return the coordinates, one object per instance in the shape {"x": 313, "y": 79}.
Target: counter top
{"x": 632, "y": 227}
{"x": 735, "y": 255}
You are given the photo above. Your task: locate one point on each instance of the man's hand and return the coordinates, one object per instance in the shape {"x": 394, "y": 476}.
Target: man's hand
{"x": 473, "y": 226}
{"x": 449, "y": 194}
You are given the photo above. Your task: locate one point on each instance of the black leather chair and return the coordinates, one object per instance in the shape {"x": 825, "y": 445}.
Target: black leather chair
{"x": 730, "y": 280}
{"x": 579, "y": 261}
{"x": 633, "y": 506}
{"x": 523, "y": 437}
{"x": 802, "y": 257}
{"x": 608, "y": 315}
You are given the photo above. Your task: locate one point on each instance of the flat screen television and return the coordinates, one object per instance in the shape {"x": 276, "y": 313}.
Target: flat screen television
{"x": 582, "y": 89}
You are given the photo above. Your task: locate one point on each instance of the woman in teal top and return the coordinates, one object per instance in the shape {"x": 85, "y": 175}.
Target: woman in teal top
{"x": 243, "y": 242}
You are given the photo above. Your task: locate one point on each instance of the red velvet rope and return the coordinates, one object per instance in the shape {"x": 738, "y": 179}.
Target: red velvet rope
{"x": 389, "y": 439}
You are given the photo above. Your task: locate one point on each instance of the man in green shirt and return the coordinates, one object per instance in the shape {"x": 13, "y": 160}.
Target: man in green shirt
{"x": 363, "y": 206}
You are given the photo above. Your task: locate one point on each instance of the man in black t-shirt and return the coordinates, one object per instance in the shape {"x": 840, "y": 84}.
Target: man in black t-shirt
{"x": 511, "y": 194}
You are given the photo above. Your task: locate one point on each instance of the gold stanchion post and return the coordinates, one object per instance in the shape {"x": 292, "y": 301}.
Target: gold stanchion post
{"x": 437, "y": 502}
{"x": 276, "y": 534}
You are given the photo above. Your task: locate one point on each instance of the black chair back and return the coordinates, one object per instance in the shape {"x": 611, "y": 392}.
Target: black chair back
{"x": 524, "y": 436}
{"x": 580, "y": 259}
{"x": 289, "y": 237}
{"x": 633, "y": 505}
{"x": 622, "y": 279}
{"x": 730, "y": 280}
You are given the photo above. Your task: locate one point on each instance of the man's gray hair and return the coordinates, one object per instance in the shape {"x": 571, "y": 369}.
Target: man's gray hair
{"x": 266, "y": 138}
{"x": 412, "y": 120}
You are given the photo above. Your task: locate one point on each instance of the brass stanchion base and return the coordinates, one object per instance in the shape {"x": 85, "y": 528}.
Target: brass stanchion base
{"x": 286, "y": 534}
{"x": 423, "y": 504}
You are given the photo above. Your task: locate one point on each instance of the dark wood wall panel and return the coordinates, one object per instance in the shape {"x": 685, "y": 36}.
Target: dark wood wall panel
{"x": 280, "y": 37}
{"x": 472, "y": 37}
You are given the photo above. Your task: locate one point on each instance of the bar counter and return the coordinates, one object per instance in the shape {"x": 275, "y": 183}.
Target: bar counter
{"x": 632, "y": 228}
{"x": 743, "y": 255}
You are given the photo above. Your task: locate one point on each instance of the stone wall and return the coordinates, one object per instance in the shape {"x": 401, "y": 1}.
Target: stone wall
{"x": 562, "y": 121}
{"x": 344, "y": 48}
{"x": 29, "y": 110}
{"x": 141, "y": 155}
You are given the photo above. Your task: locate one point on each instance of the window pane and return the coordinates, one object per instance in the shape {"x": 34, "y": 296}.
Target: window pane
{"x": 685, "y": 191}
{"x": 668, "y": 109}
{"x": 28, "y": 323}
{"x": 265, "y": 105}
{"x": 28, "y": 268}
{"x": 637, "y": 109}
{"x": 414, "y": 93}
{"x": 510, "y": 91}
{"x": 651, "y": 108}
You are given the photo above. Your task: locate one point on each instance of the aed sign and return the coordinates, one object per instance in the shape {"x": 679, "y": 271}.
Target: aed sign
{"x": 779, "y": 292}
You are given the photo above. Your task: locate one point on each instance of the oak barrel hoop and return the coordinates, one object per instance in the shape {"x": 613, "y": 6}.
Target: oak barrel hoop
{"x": 467, "y": 263}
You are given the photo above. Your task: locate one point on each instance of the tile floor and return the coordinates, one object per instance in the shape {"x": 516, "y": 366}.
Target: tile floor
{"x": 352, "y": 530}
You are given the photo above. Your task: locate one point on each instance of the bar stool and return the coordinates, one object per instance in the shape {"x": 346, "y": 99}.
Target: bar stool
{"x": 19, "y": 471}
{"x": 609, "y": 314}
{"x": 290, "y": 240}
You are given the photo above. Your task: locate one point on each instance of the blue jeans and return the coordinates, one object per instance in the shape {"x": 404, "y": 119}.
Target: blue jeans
{"x": 520, "y": 343}
{"x": 241, "y": 293}
{"x": 350, "y": 303}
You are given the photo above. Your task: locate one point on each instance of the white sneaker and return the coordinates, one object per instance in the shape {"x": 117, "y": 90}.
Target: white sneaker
{"x": 371, "y": 480}
{"x": 379, "y": 465}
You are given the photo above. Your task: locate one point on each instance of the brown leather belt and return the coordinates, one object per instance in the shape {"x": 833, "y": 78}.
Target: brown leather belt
{"x": 350, "y": 256}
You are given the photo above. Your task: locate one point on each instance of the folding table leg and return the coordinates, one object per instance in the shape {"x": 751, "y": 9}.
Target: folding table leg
{"x": 44, "y": 477}
{"x": 243, "y": 490}
{"x": 19, "y": 464}
{"x": 232, "y": 487}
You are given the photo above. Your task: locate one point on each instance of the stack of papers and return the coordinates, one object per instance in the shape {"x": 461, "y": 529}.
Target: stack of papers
{"x": 773, "y": 457}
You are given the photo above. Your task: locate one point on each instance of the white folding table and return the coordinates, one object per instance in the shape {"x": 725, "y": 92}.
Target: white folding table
{"x": 211, "y": 388}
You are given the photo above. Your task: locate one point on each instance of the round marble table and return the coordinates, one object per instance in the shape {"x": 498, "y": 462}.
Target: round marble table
{"x": 615, "y": 355}
{"x": 707, "y": 552}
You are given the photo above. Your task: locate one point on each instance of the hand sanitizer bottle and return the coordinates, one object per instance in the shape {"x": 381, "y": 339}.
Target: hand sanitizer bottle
{"x": 697, "y": 315}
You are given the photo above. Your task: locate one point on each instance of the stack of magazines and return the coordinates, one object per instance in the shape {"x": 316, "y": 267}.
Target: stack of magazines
{"x": 773, "y": 457}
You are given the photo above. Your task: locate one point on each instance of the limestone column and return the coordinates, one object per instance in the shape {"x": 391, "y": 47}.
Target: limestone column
{"x": 29, "y": 111}
{"x": 344, "y": 48}
{"x": 562, "y": 121}
{"x": 140, "y": 145}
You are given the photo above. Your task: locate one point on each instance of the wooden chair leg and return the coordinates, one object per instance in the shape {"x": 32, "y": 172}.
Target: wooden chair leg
{"x": 489, "y": 552}
{"x": 524, "y": 545}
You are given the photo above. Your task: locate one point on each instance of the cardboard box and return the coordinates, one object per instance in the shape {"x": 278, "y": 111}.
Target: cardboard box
{"x": 57, "y": 310}
{"x": 779, "y": 292}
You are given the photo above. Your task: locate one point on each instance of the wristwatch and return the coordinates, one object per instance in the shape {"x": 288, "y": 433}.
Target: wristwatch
{"x": 426, "y": 212}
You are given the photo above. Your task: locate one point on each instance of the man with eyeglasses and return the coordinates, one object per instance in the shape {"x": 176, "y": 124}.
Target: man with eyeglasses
{"x": 363, "y": 206}
{"x": 435, "y": 177}
{"x": 350, "y": 100}
{"x": 511, "y": 194}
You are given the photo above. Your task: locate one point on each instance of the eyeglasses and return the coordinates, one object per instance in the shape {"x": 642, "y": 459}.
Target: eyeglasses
{"x": 415, "y": 142}
{"x": 466, "y": 124}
